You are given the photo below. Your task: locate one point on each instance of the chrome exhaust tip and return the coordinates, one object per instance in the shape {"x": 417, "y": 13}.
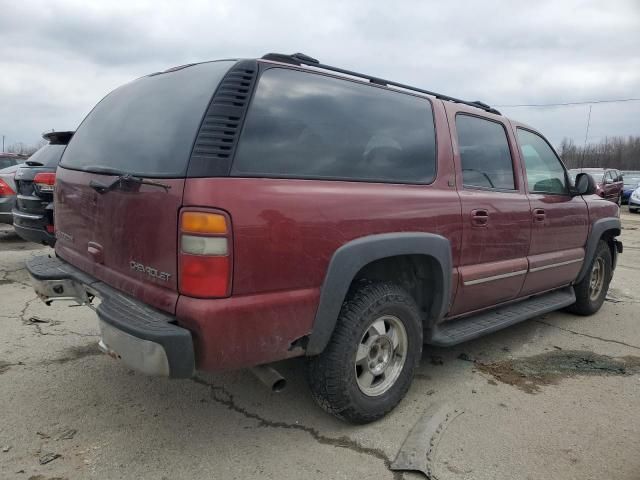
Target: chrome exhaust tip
{"x": 270, "y": 377}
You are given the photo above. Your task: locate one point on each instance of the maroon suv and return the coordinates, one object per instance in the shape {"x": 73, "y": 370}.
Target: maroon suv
{"x": 230, "y": 214}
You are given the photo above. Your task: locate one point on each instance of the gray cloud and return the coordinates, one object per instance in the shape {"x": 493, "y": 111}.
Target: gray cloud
{"x": 59, "y": 58}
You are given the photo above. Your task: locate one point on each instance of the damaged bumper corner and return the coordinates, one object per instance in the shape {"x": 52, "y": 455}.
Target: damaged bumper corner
{"x": 143, "y": 338}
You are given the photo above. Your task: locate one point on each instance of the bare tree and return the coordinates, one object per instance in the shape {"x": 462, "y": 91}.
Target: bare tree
{"x": 612, "y": 152}
{"x": 24, "y": 149}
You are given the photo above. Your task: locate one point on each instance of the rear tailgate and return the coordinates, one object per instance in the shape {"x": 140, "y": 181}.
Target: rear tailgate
{"x": 126, "y": 239}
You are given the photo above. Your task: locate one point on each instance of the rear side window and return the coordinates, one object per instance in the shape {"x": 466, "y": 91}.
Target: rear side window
{"x": 545, "y": 173}
{"x": 484, "y": 153}
{"x": 49, "y": 155}
{"x": 303, "y": 125}
{"x": 146, "y": 127}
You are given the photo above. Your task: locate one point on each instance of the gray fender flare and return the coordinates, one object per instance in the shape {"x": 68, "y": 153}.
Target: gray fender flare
{"x": 351, "y": 257}
{"x": 597, "y": 230}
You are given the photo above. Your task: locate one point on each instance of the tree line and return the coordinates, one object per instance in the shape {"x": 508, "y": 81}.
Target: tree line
{"x": 24, "y": 149}
{"x": 612, "y": 152}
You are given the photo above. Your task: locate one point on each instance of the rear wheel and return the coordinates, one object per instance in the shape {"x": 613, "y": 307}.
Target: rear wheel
{"x": 368, "y": 365}
{"x": 592, "y": 289}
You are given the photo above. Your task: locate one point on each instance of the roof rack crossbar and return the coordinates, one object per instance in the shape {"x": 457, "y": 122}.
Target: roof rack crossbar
{"x": 302, "y": 59}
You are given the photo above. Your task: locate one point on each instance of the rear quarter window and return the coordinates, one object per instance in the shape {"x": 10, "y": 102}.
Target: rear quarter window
{"x": 147, "y": 127}
{"x": 305, "y": 125}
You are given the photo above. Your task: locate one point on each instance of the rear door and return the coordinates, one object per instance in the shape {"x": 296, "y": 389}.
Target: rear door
{"x": 121, "y": 231}
{"x": 496, "y": 217}
{"x": 559, "y": 221}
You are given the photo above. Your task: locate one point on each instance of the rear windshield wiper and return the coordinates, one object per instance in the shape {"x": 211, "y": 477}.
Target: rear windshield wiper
{"x": 123, "y": 180}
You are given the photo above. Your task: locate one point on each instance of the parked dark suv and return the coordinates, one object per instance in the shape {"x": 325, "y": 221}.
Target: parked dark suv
{"x": 33, "y": 211}
{"x": 234, "y": 213}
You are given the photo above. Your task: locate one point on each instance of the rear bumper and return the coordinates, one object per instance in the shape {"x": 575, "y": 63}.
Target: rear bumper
{"x": 145, "y": 339}
{"x": 6, "y": 205}
{"x": 32, "y": 233}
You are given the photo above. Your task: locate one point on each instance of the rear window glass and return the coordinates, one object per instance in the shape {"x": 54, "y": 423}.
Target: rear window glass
{"x": 146, "y": 127}
{"x": 303, "y": 125}
{"x": 49, "y": 155}
{"x": 10, "y": 162}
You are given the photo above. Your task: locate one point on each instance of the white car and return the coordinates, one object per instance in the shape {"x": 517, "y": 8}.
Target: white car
{"x": 634, "y": 201}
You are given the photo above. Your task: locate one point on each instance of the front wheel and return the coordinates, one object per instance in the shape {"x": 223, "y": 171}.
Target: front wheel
{"x": 368, "y": 366}
{"x": 592, "y": 289}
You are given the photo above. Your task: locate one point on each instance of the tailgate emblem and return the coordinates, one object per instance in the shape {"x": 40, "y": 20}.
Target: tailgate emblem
{"x": 150, "y": 271}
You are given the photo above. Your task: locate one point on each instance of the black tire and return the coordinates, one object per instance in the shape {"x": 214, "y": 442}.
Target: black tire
{"x": 333, "y": 375}
{"x": 587, "y": 301}
{"x": 633, "y": 210}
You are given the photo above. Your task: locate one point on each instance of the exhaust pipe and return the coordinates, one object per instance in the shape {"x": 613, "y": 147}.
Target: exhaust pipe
{"x": 270, "y": 377}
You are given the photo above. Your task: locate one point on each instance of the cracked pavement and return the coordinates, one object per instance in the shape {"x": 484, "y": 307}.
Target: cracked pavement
{"x": 61, "y": 396}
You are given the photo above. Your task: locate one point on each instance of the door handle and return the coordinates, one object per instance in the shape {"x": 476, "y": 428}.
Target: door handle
{"x": 538, "y": 215}
{"x": 479, "y": 217}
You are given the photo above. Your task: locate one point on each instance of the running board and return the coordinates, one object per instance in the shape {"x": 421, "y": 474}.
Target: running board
{"x": 458, "y": 331}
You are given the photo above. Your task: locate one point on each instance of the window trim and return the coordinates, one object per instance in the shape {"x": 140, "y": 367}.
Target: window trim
{"x": 567, "y": 183}
{"x": 515, "y": 188}
{"x": 266, "y": 67}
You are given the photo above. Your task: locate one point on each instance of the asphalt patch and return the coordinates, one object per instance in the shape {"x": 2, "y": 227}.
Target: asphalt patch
{"x": 530, "y": 373}
{"x": 4, "y": 366}
{"x": 76, "y": 353}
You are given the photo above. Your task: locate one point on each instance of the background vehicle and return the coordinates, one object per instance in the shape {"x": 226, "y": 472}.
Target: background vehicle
{"x": 634, "y": 201}
{"x": 7, "y": 192}
{"x": 631, "y": 182}
{"x": 11, "y": 159}
{"x": 33, "y": 212}
{"x": 609, "y": 182}
{"x": 272, "y": 210}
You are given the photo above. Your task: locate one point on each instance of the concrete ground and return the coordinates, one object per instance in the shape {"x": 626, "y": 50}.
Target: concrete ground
{"x": 555, "y": 397}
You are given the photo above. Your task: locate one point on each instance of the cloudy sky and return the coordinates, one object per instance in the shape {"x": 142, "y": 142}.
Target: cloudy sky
{"x": 58, "y": 58}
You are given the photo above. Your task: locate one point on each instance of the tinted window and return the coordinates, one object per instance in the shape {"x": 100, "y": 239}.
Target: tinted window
{"x": 313, "y": 126}
{"x": 147, "y": 127}
{"x": 484, "y": 153}
{"x": 49, "y": 155}
{"x": 545, "y": 173}
{"x": 9, "y": 162}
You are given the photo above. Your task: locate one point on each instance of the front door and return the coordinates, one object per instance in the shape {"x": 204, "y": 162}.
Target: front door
{"x": 559, "y": 220}
{"x": 496, "y": 215}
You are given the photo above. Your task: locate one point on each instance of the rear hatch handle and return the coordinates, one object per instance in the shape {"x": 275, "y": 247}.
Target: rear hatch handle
{"x": 123, "y": 180}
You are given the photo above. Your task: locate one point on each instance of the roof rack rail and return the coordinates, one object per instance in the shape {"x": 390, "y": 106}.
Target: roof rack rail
{"x": 302, "y": 59}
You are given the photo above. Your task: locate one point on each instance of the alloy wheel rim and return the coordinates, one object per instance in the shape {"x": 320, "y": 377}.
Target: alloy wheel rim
{"x": 381, "y": 355}
{"x": 597, "y": 279}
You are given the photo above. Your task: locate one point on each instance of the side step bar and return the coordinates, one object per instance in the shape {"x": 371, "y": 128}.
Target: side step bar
{"x": 458, "y": 331}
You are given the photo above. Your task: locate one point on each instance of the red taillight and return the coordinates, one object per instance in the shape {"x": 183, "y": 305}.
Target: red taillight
{"x": 5, "y": 189}
{"x": 50, "y": 228}
{"x": 45, "y": 181}
{"x": 205, "y": 254}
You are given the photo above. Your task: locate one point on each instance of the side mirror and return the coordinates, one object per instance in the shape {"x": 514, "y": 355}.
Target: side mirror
{"x": 585, "y": 184}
